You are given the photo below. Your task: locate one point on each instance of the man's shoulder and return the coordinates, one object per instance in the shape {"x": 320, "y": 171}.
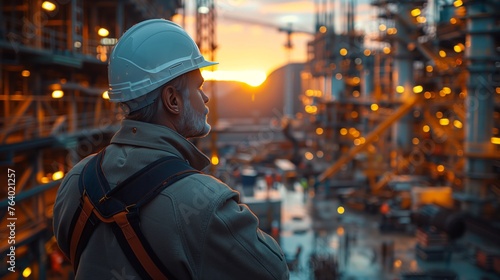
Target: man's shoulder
{"x": 78, "y": 168}
{"x": 205, "y": 184}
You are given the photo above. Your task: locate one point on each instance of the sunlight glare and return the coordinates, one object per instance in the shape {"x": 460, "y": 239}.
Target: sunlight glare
{"x": 253, "y": 78}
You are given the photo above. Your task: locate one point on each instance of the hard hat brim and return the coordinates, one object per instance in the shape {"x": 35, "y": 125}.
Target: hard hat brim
{"x": 207, "y": 63}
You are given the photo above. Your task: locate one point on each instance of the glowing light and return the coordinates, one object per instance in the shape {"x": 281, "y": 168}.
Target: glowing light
{"x": 382, "y": 27}
{"x": 215, "y": 160}
{"x": 103, "y": 32}
{"x": 48, "y": 6}
{"x": 355, "y": 93}
{"x": 340, "y": 231}
{"x": 356, "y": 80}
{"x": 57, "y": 94}
{"x": 362, "y": 140}
{"x": 105, "y": 95}
{"x": 203, "y": 10}
{"x": 458, "y": 3}
{"x": 25, "y": 73}
{"x": 439, "y": 114}
{"x": 495, "y": 140}
{"x": 457, "y": 124}
{"x": 426, "y": 128}
{"x": 319, "y": 131}
{"x": 340, "y": 210}
{"x": 415, "y": 12}
{"x": 27, "y": 272}
{"x": 398, "y": 263}
{"x": 392, "y": 31}
{"x": 429, "y": 68}
{"x": 497, "y": 90}
{"x": 314, "y": 93}
{"x": 343, "y": 51}
{"x": 343, "y": 131}
{"x": 374, "y": 107}
{"x": 415, "y": 141}
{"x": 367, "y": 52}
{"x": 354, "y": 114}
{"x": 386, "y": 50}
{"x": 252, "y": 78}
{"x": 421, "y": 19}
{"x": 77, "y": 44}
{"x": 457, "y": 48}
{"x": 453, "y": 20}
{"x": 320, "y": 154}
{"x": 322, "y": 29}
{"x": 427, "y": 95}
{"x": 357, "y": 142}
{"x": 442, "y": 53}
{"x": 311, "y": 109}
{"x": 57, "y": 175}
{"x": 44, "y": 180}
{"x": 440, "y": 168}
{"x": 418, "y": 89}
{"x": 309, "y": 156}
{"x": 444, "y": 121}
{"x": 338, "y": 76}
{"x": 446, "y": 90}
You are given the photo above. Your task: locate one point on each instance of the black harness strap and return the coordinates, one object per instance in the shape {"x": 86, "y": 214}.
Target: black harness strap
{"x": 119, "y": 207}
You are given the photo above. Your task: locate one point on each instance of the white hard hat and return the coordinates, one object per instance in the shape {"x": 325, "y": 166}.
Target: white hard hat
{"x": 147, "y": 56}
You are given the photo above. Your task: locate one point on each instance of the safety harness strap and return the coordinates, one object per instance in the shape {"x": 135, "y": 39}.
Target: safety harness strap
{"x": 82, "y": 224}
{"x": 119, "y": 207}
{"x": 135, "y": 244}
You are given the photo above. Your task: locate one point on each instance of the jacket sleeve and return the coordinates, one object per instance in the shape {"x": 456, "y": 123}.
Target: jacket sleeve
{"x": 237, "y": 249}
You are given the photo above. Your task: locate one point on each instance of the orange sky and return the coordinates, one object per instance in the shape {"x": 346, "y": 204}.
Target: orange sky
{"x": 258, "y": 47}
{"x": 252, "y": 47}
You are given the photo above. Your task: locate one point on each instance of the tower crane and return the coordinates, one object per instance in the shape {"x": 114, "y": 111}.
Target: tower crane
{"x": 289, "y": 30}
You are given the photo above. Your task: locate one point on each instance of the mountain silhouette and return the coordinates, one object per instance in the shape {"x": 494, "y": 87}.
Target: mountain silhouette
{"x": 239, "y": 100}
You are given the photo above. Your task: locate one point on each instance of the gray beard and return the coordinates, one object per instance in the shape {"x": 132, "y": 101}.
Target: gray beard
{"x": 193, "y": 124}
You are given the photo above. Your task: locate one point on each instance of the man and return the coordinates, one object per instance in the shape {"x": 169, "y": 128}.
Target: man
{"x": 195, "y": 226}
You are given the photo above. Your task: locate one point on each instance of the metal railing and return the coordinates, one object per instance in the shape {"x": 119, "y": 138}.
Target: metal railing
{"x": 22, "y": 33}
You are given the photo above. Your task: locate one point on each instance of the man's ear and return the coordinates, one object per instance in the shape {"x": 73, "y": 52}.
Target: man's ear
{"x": 171, "y": 99}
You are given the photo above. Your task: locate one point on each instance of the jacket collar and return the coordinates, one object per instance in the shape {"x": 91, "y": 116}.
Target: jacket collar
{"x": 162, "y": 138}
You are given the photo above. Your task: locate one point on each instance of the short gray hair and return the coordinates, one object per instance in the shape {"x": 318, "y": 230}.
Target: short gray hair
{"x": 148, "y": 113}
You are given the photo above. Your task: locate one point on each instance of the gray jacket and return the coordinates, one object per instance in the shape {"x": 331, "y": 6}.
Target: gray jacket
{"x": 196, "y": 226}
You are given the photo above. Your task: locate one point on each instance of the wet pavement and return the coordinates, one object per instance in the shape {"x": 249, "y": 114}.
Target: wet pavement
{"x": 351, "y": 246}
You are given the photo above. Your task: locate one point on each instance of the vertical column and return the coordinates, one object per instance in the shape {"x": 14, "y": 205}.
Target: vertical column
{"x": 76, "y": 26}
{"x": 367, "y": 77}
{"x": 402, "y": 75}
{"x": 206, "y": 40}
{"x": 119, "y": 18}
{"x": 479, "y": 103}
{"x": 288, "y": 94}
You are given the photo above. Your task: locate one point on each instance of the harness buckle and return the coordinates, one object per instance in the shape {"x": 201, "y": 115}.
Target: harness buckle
{"x": 104, "y": 198}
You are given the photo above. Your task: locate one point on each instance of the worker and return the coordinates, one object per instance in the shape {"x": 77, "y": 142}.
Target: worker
{"x": 193, "y": 229}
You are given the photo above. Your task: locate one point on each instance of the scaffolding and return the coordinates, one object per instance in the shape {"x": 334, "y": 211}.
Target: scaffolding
{"x": 53, "y": 69}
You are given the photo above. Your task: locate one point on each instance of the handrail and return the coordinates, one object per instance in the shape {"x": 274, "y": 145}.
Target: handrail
{"x": 30, "y": 193}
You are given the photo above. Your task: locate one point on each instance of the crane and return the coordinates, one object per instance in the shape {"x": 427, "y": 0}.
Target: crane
{"x": 287, "y": 29}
